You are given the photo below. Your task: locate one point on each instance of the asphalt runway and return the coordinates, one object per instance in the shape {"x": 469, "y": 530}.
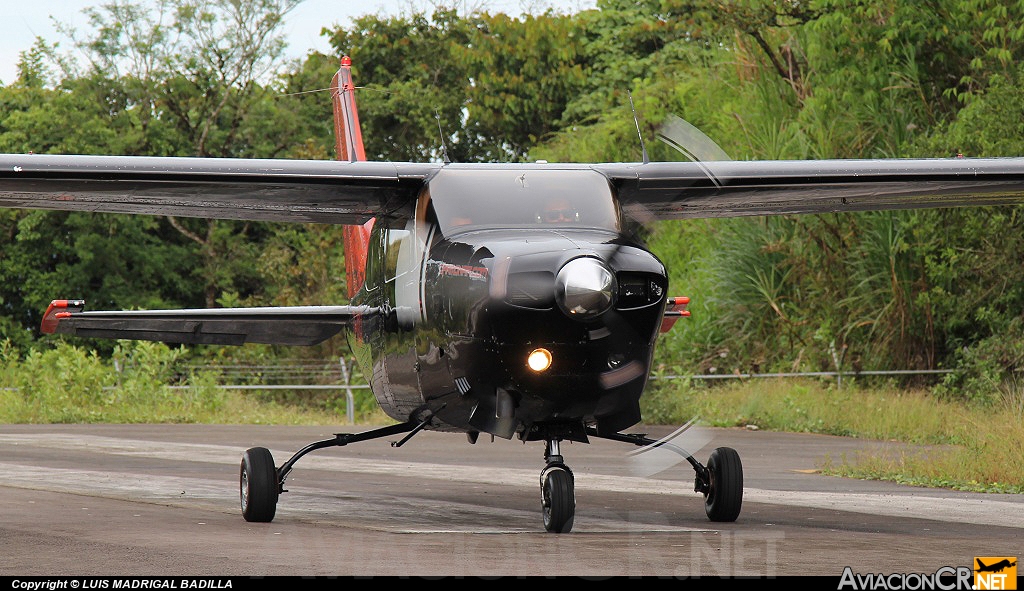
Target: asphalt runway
{"x": 162, "y": 500}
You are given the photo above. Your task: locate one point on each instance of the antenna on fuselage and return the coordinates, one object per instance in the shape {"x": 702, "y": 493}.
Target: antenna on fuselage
{"x": 637, "y": 122}
{"x": 440, "y": 132}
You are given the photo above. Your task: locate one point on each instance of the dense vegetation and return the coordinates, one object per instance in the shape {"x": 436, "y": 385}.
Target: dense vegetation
{"x": 820, "y": 79}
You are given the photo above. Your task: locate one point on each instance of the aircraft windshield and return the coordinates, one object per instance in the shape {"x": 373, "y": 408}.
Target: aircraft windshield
{"x": 473, "y": 199}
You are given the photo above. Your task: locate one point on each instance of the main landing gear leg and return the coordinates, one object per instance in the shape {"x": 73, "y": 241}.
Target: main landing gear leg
{"x": 261, "y": 484}
{"x": 721, "y": 481}
{"x": 557, "y": 494}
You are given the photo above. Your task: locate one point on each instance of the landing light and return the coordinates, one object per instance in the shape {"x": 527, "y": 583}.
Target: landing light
{"x": 539, "y": 360}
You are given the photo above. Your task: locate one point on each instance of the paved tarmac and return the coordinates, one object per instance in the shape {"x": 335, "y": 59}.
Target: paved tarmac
{"x": 162, "y": 500}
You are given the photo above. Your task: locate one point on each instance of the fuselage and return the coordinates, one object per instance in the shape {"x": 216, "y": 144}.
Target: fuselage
{"x": 478, "y": 275}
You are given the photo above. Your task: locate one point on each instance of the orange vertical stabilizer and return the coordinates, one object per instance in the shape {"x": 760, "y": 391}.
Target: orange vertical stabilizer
{"x": 348, "y": 144}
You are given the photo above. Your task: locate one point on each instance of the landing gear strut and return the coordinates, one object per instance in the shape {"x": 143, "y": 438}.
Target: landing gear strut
{"x": 261, "y": 484}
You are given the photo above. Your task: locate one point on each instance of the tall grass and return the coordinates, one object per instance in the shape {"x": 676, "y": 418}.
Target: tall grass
{"x": 988, "y": 455}
{"x": 140, "y": 385}
{"x": 812, "y": 406}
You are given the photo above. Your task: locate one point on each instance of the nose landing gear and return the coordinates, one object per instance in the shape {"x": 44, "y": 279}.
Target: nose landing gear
{"x": 721, "y": 481}
{"x": 557, "y": 491}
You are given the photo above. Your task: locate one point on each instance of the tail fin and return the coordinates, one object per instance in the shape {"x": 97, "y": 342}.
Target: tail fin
{"x": 348, "y": 143}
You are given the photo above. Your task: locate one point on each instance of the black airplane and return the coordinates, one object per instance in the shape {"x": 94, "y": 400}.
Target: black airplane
{"x": 511, "y": 300}
{"x": 994, "y": 567}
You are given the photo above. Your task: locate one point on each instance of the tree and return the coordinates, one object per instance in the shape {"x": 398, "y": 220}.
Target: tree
{"x": 167, "y": 77}
{"x": 522, "y": 75}
{"x": 193, "y": 72}
{"x": 412, "y": 93}
{"x": 479, "y": 87}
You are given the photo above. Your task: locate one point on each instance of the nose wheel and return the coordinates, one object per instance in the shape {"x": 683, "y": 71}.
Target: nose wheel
{"x": 558, "y": 497}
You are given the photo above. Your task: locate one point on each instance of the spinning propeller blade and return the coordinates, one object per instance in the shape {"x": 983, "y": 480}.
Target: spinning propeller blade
{"x": 689, "y": 141}
{"x": 669, "y": 450}
{"x": 678, "y": 134}
{"x": 625, "y": 338}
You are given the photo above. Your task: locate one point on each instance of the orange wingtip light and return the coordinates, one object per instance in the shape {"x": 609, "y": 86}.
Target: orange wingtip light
{"x": 675, "y": 309}
{"x": 58, "y": 310}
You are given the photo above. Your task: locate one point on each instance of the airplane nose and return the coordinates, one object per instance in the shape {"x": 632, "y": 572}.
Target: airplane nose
{"x": 585, "y": 288}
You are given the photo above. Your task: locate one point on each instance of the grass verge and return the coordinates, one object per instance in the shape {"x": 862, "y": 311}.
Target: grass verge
{"x": 973, "y": 448}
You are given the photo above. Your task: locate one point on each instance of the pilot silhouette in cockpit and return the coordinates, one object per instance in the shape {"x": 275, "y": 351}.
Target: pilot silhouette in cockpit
{"x": 558, "y": 211}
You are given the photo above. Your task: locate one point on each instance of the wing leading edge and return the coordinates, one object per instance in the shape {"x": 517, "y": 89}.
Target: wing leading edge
{"x": 299, "y": 325}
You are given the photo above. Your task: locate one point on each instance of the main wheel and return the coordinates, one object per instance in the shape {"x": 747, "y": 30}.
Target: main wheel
{"x": 258, "y": 485}
{"x": 557, "y": 499}
{"x": 725, "y": 485}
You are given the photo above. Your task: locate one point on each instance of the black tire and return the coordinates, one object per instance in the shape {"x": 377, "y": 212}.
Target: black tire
{"x": 724, "y": 498}
{"x": 258, "y": 485}
{"x": 558, "y": 500}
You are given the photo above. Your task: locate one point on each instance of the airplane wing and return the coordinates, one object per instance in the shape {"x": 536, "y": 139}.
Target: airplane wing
{"x": 324, "y": 191}
{"x": 298, "y": 325}
{"x": 678, "y": 190}
{"x": 341, "y": 192}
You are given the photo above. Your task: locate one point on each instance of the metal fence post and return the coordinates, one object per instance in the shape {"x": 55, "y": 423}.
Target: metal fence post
{"x": 837, "y": 360}
{"x": 349, "y": 398}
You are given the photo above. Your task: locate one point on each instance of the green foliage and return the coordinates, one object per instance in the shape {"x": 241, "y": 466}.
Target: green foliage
{"x": 813, "y": 406}
{"x": 970, "y": 258}
{"x": 68, "y": 384}
{"x": 754, "y": 273}
{"x": 684, "y": 247}
{"x": 989, "y": 125}
{"x": 116, "y": 261}
{"x": 986, "y": 456}
{"x": 487, "y": 87}
{"x": 65, "y": 385}
{"x": 411, "y": 87}
{"x": 524, "y": 72}
{"x": 160, "y": 81}
{"x": 966, "y": 445}
{"x": 146, "y": 383}
{"x": 989, "y": 370}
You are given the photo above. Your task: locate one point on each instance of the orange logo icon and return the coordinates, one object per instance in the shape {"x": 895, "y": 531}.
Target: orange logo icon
{"x": 995, "y": 572}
